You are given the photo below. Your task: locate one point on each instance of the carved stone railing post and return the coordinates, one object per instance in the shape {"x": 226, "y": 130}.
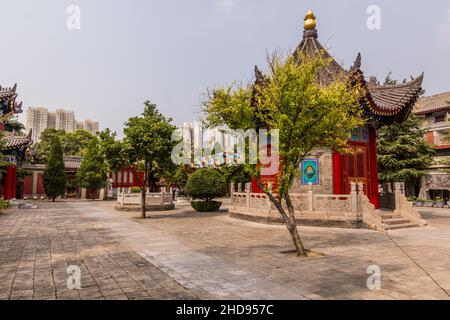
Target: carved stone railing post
{"x": 231, "y": 188}
{"x": 361, "y": 188}
{"x": 389, "y": 187}
{"x": 354, "y": 197}
{"x": 310, "y": 197}
{"x": 399, "y": 190}
{"x": 247, "y": 196}
{"x": 163, "y": 193}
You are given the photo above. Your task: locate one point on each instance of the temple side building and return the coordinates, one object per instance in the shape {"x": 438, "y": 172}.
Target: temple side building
{"x": 15, "y": 144}
{"x": 434, "y": 112}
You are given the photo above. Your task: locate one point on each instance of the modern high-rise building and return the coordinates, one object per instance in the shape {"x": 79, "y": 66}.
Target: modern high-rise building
{"x": 65, "y": 120}
{"x": 39, "y": 119}
{"x": 90, "y": 126}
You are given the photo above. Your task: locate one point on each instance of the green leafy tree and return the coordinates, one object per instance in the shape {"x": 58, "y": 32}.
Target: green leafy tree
{"x": 75, "y": 143}
{"x": 112, "y": 149}
{"x": 235, "y": 173}
{"x": 148, "y": 142}
{"x": 54, "y": 176}
{"x": 42, "y": 149}
{"x": 93, "y": 171}
{"x": 306, "y": 114}
{"x": 403, "y": 153}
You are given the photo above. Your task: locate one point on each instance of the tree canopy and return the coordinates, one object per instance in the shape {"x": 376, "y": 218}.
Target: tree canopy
{"x": 148, "y": 143}
{"x": 54, "y": 177}
{"x": 72, "y": 143}
{"x": 306, "y": 113}
{"x": 93, "y": 171}
{"x": 403, "y": 153}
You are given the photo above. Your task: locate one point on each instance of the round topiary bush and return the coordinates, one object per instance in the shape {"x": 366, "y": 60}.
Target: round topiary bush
{"x": 206, "y": 184}
{"x": 206, "y": 206}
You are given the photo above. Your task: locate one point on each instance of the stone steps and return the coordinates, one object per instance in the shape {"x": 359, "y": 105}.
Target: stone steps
{"x": 393, "y": 221}
{"x": 402, "y": 226}
{"x": 396, "y": 221}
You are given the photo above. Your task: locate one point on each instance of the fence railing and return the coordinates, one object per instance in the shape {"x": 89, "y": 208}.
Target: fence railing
{"x": 307, "y": 202}
{"x": 126, "y": 197}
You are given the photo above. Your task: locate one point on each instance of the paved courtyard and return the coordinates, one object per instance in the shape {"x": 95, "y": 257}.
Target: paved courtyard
{"x": 187, "y": 255}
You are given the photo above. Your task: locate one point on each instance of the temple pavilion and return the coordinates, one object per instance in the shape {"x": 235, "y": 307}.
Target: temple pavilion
{"x": 15, "y": 144}
{"x": 331, "y": 172}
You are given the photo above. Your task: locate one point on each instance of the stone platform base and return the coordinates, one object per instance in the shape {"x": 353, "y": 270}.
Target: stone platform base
{"x": 301, "y": 221}
{"x": 137, "y": 208}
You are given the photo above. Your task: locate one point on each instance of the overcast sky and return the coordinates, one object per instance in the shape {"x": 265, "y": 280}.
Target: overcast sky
{"x": 172, "y": 51}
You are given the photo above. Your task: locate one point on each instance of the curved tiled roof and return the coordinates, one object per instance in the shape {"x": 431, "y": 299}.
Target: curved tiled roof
{"x": 382, "y": 103}
{"x": 15, "y": 140}
{"x": 432, "y": 104}
{"x": 312, "y": 47}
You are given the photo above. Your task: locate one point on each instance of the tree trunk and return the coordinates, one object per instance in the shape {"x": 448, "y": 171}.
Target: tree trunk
{"x": 293, "y": 230}
{"x": 144, "y": 192}
{"x": 290, "y": 221}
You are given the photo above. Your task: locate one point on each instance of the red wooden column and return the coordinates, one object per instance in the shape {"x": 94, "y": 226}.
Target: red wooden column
{"x": 338, "y": 177}
{"x": 10, "y": 183}
{"x": 375, "y": 197}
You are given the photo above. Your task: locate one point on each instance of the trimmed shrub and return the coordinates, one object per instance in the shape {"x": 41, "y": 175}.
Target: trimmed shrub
{"x": 3, "y": 205}
{"x": 135, "y": 190}
{"x": 206, "y": 184}
{"x": 206, "y": 206}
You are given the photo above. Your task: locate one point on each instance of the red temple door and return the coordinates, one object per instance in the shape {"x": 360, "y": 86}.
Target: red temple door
{"x": 357, "y": 169}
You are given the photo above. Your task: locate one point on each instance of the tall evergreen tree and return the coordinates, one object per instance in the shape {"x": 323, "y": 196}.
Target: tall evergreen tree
{"x": 93, "y": 171}
{"x": 54, "y": 176}
{"x": 403, "y": 153}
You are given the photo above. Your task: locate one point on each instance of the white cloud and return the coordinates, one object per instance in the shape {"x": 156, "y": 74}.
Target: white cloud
{"x": 443, "y": 33}
{"x": 227, "y": 6}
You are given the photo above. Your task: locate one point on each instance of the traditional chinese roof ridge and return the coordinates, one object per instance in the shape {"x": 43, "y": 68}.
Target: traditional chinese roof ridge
{"x": 388, "y": 100}
{"x": 432, "y": 104}
{"x": 8, "y": 92}
{"x": 312, "y": 47}
{"x": 383, "y": 100}
{"x": 383, "y": 103}
{"x": 16, "y": 140}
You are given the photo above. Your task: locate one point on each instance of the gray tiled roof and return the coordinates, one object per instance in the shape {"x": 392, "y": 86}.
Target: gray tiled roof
{"x": 431, "y": 104}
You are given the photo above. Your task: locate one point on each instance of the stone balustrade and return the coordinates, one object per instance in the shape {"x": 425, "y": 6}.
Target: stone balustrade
{"x": 352, "y": 210}
{"x": 129, "y": 201}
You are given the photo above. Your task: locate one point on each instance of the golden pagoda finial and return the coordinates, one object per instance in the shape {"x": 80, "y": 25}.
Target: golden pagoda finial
{"x": 310, "y": 21}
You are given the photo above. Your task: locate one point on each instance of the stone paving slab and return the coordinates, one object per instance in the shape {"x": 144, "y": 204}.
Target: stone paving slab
{"x": 187, "y": 255}
{"x": 36, "y": 247}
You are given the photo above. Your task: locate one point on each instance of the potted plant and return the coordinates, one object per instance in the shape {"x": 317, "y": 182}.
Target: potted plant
{"x": 411, "y": 199}
{"x": 419, "y": 202}
{"x": 206, "y": 184}
{"x": 440, "y": 202}
{"x": 429, "y": 203}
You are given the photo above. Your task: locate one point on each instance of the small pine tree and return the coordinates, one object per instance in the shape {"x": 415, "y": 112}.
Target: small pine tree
{"x": 54, "y": 176}
{"x": 403, "y": 153}
{"x": 93, "y": 171}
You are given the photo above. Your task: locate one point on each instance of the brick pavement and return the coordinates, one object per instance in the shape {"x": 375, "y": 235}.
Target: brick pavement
{"x": 182, "y": 254}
